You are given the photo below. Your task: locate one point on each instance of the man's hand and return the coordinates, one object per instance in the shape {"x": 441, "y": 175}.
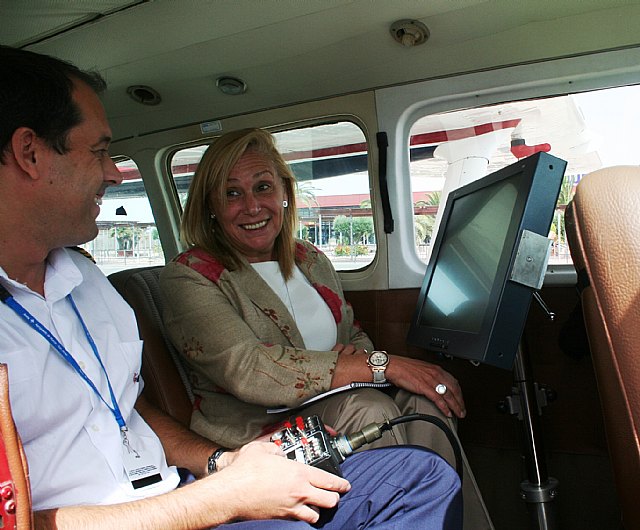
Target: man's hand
{"x": 263, "y": 485}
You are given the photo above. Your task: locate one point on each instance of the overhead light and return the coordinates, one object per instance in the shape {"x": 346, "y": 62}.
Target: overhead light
{"x": 409, "y": 32}
{"x": 231, "y": 86}
{"x": 144, "y": 95}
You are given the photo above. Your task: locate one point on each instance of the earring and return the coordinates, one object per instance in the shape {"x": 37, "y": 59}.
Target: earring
{"x": 285, "y": 203}
{"x": 212, "y": 216}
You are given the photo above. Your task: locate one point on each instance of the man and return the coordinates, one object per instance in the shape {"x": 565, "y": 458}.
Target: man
{"x": 74, "y": 356}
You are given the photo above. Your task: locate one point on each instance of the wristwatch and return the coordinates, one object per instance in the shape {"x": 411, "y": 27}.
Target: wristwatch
{"x": 378, "y": 362}
{"x": 212, "y": 463}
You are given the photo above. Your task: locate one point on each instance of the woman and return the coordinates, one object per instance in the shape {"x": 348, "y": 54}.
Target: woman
{"x": 261, "y": 320}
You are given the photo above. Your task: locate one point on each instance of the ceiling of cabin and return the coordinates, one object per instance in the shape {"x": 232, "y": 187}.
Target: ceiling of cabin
{"x": 296, "y": 50}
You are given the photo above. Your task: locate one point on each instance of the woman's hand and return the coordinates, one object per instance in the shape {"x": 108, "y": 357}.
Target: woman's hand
{"x": 420, "y": 377}
{"x": 412, "y": 375}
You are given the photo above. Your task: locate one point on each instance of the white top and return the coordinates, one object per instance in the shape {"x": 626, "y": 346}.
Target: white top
{"x": 72, "y": 441}
{"x": 312, "y": 315}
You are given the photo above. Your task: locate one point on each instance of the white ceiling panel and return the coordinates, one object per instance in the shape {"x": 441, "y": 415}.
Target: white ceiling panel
{"x": 297, "y": 50}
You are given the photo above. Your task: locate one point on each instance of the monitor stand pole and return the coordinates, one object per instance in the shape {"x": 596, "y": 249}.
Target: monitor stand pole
{"x": 539, "y": 490}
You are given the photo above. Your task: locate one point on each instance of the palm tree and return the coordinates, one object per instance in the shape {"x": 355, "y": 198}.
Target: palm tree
{"x": 423, "y": 227}
{"x": 305, "y": 194}
{"x": 423, "y": 224}
{"x": 305, "y": 198}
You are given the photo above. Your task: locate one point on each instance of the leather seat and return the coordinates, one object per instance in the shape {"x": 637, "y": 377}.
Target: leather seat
{"x": 15, "y": 501}
{"x": 165, "y": 380}
{"x": 603, "y": 228}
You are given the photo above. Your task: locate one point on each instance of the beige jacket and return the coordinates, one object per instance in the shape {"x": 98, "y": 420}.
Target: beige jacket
{"x": 242, "y": 348}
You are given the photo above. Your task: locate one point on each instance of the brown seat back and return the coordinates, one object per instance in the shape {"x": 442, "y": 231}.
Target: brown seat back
{"x": 166, "y": 383}
{"x": 603, "y": 227}
{"x": 15, "y": 501}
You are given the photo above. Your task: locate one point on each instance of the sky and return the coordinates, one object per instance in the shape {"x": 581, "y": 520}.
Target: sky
{"x": 614, "y": 116}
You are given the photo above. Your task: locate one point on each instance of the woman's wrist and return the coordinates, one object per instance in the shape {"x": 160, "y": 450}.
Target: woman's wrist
{"x": 350, "y": 368}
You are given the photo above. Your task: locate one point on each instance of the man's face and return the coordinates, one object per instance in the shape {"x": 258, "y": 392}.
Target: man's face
{"x": 253, "y": 215}
{"x": 78, "y": 178}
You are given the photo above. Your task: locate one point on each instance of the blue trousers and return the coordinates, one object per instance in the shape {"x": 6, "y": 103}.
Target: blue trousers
{"x": 393, "y": 488}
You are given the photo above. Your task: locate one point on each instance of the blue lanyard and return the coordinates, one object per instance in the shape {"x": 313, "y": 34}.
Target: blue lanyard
{"x": 35, "y": 324}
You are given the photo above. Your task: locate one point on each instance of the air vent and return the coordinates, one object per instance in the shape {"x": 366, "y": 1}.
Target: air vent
{"x": 145, "y": 95}
{"x": 231, "y": 86}
{"x": 409, "y": 32}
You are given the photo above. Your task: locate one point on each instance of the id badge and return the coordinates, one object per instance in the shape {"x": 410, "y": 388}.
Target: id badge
{"x": 140, "y": 469}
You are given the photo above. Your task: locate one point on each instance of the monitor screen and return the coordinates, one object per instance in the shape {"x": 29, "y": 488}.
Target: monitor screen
{"x": 471, "y": 305}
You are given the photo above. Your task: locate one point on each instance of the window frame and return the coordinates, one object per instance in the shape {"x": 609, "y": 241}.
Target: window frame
{"x": 400, "y": 107}
{"x": 281, "y": 128}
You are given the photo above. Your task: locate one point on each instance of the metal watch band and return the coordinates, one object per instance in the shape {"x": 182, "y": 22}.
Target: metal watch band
{"x": 378, "y": 366}
{"x": 212, "y": 464}
{"x": 379, "y": 376}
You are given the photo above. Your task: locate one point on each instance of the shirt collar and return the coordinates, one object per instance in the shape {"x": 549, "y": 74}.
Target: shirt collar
{"x": 61, "y": 276}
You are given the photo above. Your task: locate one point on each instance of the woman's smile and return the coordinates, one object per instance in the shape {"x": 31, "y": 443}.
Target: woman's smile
{"x": 252, "y": 215}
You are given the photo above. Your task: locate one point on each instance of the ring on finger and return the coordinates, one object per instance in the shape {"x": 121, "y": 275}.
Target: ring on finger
{"x": 441, "y": 389}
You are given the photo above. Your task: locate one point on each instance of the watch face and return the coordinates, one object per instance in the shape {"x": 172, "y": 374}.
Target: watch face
{"x": 378, "y": 358}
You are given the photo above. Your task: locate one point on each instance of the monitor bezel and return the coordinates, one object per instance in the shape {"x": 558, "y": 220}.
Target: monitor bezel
{"x": 497, "y": 341}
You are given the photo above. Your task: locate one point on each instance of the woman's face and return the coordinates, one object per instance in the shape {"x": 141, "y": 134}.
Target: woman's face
{"x": 253, "y": 215}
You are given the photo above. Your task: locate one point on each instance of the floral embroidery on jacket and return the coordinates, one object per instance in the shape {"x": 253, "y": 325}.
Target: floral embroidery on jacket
{"x": 192, "y": 349}
{"x": 301, "y": 252}
{"x": 273, "y": 315}
{"x": 286, "y": 331}
{"x": 306, "y": 382}
{"x": 202, "y": 262}
{"x": 306, "y": 256}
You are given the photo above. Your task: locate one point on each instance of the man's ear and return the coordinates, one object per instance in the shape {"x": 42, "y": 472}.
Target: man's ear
{"x": 26, "y": 149}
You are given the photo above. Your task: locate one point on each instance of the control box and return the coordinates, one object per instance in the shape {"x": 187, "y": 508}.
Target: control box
{"x": 307, "y": 441}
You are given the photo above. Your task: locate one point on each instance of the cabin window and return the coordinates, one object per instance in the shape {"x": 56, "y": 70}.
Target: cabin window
{"x": 330, "y": 162}
{"x": 589, "y": 130}
{"x": 127, "y": 234}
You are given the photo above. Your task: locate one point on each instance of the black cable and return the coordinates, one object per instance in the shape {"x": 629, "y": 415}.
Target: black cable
{"x": 438, "y": 423}
{"x": 347, "y": 444}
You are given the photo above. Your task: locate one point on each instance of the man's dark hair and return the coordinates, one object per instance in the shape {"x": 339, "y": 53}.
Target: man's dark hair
{"x": 36, "y": 92}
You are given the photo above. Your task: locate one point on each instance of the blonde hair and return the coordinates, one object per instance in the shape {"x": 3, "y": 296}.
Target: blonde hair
{"x": 199, "y": 229}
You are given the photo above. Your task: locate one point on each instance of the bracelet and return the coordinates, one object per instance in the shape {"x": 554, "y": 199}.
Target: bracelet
{"x": 212, "y": 463}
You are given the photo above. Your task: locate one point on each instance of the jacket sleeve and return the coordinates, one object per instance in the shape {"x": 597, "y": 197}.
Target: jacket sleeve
{"x": 231, "y": 346}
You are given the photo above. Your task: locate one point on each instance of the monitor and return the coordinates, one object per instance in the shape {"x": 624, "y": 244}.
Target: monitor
{"x": 488, "y": 258}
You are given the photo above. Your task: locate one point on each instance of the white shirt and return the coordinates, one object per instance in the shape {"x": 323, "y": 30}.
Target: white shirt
{"x": 312, "y": 315}
{"x": 72, "y": 440}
